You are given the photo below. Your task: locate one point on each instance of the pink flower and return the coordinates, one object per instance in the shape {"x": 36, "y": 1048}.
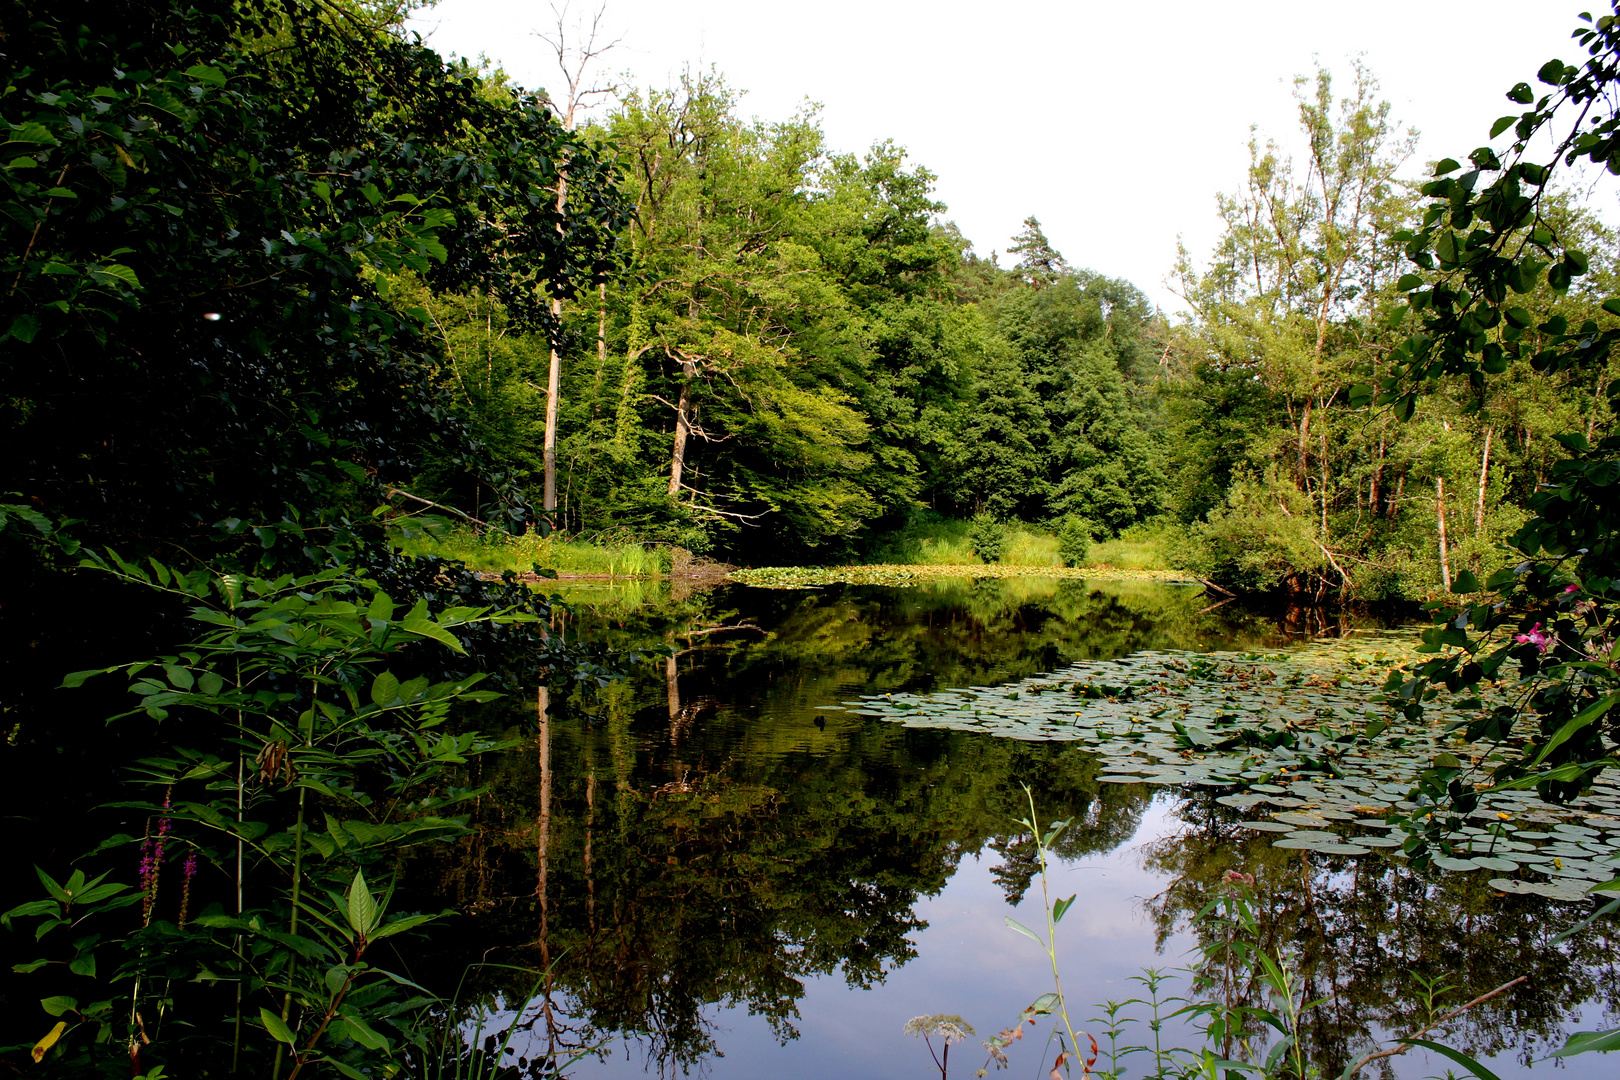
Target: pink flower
{"x": 1572, "y": 588}
{"x": 1237, "y": 877}
{"x": 1534, "y": 637}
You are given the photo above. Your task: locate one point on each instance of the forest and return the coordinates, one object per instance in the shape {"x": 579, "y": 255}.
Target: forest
{"x": 278, "y": 277}
{"x": 797, "y": 357}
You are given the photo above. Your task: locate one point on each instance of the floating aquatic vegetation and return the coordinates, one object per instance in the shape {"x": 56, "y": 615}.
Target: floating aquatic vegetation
{"x": 1302, "y": 745}
{"x": 810, "y": 577}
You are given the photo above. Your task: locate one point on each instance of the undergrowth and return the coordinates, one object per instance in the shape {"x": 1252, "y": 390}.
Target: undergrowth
{"x": 498, "y": 551}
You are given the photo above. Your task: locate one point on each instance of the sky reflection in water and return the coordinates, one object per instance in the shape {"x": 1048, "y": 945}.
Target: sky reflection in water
{"x": 751, "y": 855}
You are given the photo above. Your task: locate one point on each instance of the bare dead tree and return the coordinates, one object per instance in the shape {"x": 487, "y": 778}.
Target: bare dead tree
{"x": 574, "y": 60}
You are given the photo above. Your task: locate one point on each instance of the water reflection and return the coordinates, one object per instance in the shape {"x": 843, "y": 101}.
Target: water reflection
{"x": 1362, "y": 930}
{"x": 701, "y": 842}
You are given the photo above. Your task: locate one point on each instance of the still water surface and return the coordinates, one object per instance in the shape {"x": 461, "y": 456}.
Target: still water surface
{"x": 728, "y": 880}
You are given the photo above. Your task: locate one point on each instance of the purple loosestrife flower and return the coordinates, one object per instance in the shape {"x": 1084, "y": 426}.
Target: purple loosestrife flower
{"x": 187, "y": 872}
{"x": 1534, "y": 637}
{"x": 152, "y": 862}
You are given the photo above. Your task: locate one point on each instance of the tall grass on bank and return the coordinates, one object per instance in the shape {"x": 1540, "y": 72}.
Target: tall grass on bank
{"x": 934, "y": 541}
{"x": 500, "y": 551}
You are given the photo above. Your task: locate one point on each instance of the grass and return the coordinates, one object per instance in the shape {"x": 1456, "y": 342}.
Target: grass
{"x": 498, "y": 551}
{"x": 934, "y": 541}
{"x": 1030, "y": 547}
{"x": 1141, "y": 547}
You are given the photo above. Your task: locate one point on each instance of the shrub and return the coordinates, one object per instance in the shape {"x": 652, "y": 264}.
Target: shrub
{"x": 988, "y": 536}
{"x": 1074, "y": 540}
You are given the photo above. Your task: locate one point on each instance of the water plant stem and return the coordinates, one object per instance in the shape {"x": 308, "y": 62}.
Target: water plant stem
{"x": 1407, "y": 1043}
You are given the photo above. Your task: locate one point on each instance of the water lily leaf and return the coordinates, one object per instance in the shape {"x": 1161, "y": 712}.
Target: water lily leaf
{"x": 1460, "y": 866}
{"x": 1495, "y": 862}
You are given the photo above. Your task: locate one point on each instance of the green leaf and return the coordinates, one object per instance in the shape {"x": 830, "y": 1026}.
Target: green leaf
{"x": 420, "y": 623}
{"x": 83, "y": 965}
{"x": 37, "y": 134}
{"x": 1585, "y": 1042}
{"x": 277, "y": 1027}
{"x": 363, "y": 1034}
{"x": 362, "y": 910}
{"x": 1465, "y": 582}
{"x": 1043, "y": 1005}
{"x": 1446, "y": 165}
{"x": 24, "y": 328}
{"x": 381, "y": 609}
{"x": 385, "y": 689}
{"x": 399, "y": 926}
{"x": 115, "y": 274}
{"x": 1408, "y": 282}
{"x": 1022, "y": 929}
{"x": 1551, "y": 73}
{"x": 1521, "y": 94}
{"x": 1455, "y": 1055}
{"x": 1585, "y": 717}
{"x": 1060, "y": 907}
{"x": 56, "y": 1006}
{"x": 205, "y": 74}
{"x": 1502, "y": 124}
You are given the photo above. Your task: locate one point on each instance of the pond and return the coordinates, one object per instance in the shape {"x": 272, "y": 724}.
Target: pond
{"x": 730, "y": 869}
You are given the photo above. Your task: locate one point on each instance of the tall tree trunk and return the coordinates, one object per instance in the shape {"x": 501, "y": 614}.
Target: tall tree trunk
{"x": 1484, "y": 473}
{"x": 1440, "y": 517}
{"x": 1304, "y": 439}
{"x": 1324, "y": 464}
{"x": 1377, "y": 476}
{"x": 1395, "y": 500}
{"x": 601, "y": 346}
{"x": 683, "y": 425}
{"x": 554, "y": 371}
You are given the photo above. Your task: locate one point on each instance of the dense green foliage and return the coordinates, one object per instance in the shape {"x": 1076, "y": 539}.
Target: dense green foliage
{"x": 797, "y": 354}
{"x": 212, "y": 390}
{"x": 272, "y": 266}
{"x": 798, "y": 359}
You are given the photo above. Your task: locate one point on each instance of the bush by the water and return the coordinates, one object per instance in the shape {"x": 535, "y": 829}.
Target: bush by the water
{"x": 988, "y": 535}
{"x": 1074, "y": 540}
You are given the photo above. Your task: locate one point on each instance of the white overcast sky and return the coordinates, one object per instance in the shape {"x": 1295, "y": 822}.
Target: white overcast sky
{"x": 1114, "y": 123}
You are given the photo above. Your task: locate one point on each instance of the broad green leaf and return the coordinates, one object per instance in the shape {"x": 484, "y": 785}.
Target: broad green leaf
{"x": 58, "y": 1005}
{"x": 362, "y": 909}
{"x": 385, "y": 689}
{"x": 419, "y": 622}
{"x": 364, "y": 1034}
{"x": 1060, "y": 907}
{"x": 277, "y": 1027}
{"x": 1568, "y": 731}
{"x": 206, "y": 74}
{"x": 381, "y": 609}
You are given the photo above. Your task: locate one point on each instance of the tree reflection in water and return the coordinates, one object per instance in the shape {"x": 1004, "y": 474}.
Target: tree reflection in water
{"x": 1358, "y": 928}
{"x": 699, "y": 838}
